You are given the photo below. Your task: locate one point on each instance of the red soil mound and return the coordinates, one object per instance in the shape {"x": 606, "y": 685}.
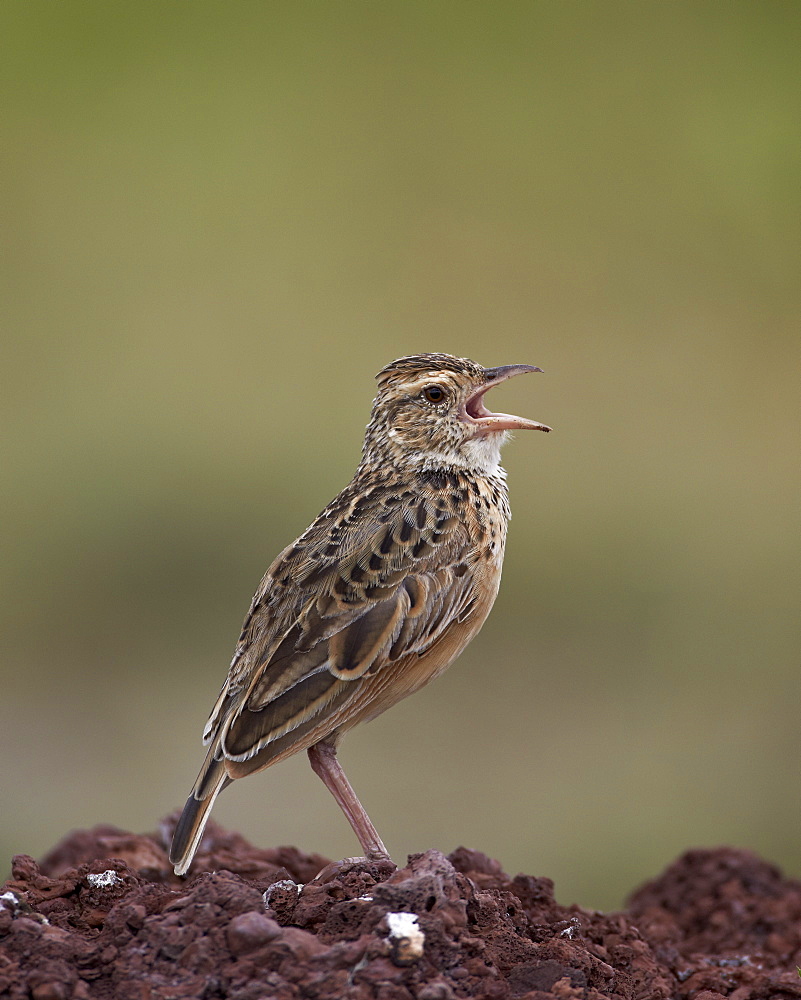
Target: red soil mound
{"x": 102, "y": 916}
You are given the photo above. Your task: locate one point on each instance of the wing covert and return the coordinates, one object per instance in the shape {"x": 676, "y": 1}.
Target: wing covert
{"x": 326, "y": 618}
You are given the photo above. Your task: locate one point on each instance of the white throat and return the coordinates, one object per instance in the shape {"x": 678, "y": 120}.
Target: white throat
{"x": 481, "y": 456}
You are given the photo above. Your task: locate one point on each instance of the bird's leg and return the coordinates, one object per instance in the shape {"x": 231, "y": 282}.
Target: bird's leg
{"x": 323, "y": 759}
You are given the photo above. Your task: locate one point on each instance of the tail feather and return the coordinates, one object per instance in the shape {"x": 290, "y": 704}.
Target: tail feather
{"x": 189, "y": 831}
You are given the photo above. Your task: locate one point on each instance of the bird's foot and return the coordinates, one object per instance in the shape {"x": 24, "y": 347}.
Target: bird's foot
{"x": 379, "y": 867}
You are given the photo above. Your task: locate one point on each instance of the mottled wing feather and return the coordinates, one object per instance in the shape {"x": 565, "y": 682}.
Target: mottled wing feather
{"x": 254, "y": 726}
{"x": 354, "y": 650}
{"x": 327, "y": 616}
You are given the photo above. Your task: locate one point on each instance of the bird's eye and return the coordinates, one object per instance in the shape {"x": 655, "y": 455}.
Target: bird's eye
{"x": 434, "y": 393}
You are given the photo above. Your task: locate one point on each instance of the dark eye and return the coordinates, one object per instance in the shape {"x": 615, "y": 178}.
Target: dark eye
{"x": 434, "y": 393}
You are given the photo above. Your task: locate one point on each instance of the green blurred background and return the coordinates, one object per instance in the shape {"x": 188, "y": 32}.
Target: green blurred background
{"x": 221, "y": 219}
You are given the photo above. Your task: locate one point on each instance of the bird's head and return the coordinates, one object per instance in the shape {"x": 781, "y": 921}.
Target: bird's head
{"x": 429, "y": 412}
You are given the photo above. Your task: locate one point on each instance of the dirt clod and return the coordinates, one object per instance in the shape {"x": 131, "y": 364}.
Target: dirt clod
{"x": 102, "y": 917}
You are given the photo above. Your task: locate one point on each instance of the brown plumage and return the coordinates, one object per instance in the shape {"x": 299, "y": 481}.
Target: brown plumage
{"x": 379, "y": 594}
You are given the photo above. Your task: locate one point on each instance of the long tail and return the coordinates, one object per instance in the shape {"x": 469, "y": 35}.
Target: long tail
{"x": 189, "y": 831}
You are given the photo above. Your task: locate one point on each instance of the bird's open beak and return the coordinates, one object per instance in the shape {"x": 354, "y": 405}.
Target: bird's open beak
{"x": 474, "y": 412}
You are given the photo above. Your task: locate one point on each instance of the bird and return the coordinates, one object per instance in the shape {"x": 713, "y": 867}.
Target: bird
{"x": 379, "y": 594}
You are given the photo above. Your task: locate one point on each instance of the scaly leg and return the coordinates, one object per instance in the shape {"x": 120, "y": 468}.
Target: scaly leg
{"x": 323, "y": 759}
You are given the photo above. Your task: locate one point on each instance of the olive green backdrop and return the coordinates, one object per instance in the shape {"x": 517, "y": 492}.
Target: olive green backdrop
{"x": 219, "y": 220}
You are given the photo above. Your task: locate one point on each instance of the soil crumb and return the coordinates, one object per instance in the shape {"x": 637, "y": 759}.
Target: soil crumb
{"x": 102, "y": 916}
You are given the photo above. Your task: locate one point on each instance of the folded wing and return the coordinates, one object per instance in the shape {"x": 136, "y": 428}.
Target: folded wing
{"x": 330, "y": 618}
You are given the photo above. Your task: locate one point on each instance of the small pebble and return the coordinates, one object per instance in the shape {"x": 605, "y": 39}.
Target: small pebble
{"x": 50, "y": 991}
{"x": 135, "y": 918}
{"x": 249, "y": 931}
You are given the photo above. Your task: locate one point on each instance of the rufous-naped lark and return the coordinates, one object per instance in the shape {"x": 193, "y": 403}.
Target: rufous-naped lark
{"x": 379, "y": 594}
